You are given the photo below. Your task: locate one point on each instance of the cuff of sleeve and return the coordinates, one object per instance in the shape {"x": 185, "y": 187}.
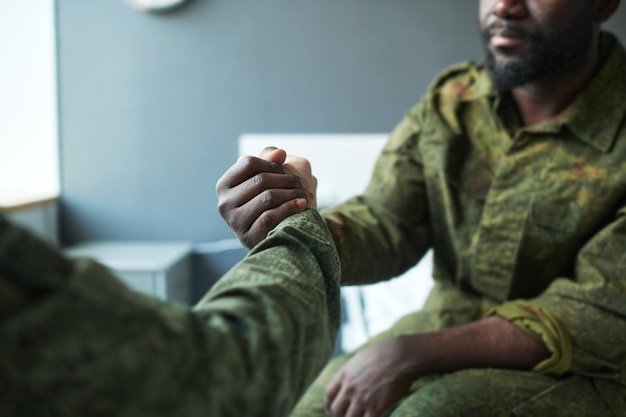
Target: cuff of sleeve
{"x": 544, "y": 327}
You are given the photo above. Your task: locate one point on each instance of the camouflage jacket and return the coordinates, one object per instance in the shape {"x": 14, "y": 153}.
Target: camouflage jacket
{"x": 513, "y": 213}
{"x": 74, "y": 341}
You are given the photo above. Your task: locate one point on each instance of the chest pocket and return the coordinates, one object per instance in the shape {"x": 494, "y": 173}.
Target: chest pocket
{"x": 530, "y": 236}
{"x": 558, "y": 225}
{"x": 555, "y": 217}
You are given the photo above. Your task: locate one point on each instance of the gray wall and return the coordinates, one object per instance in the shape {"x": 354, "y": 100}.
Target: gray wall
{"x": 152, "y": 105}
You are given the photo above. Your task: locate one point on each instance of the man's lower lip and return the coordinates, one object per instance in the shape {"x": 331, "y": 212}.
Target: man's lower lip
{"x": 506, "y": 42}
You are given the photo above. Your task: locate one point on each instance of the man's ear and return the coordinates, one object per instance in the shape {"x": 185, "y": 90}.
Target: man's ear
{"x": 605, "y": 9}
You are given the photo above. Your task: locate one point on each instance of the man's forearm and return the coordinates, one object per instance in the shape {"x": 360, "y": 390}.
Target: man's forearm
{"x": 249, "y": 348}
{"x": 492, "y": 342}
{"x": 280, "y": 306}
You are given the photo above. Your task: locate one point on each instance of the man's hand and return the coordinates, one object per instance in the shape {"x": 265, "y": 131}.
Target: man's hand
{"x": 371, "y": 382}
{"x": 301, "y": 167}
{"x": 255, "y": 194}
{"x": 377, "y": 377}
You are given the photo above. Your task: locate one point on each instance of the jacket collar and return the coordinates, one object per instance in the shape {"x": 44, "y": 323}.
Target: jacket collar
{"x": 596, "y": 115}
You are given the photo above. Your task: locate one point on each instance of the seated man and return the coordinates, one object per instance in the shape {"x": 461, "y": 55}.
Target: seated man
{"x": 74, "y": 341}
{"x": 514, "y": 172}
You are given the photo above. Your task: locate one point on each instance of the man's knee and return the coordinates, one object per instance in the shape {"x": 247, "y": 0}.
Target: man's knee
{"x": 473, "y": 392}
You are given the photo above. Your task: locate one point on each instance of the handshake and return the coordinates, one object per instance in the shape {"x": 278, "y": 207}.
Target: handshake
{"x": 255, "y": 194}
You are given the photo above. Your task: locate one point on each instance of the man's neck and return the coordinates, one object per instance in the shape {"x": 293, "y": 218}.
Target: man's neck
{"x": 545, "y": 99}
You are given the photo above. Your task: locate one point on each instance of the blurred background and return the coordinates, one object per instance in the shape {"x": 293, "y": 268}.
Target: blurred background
{"x": 115, "y": 124}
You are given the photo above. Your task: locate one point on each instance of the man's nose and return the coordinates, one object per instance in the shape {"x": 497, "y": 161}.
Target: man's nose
{"x": 510, "y": 9}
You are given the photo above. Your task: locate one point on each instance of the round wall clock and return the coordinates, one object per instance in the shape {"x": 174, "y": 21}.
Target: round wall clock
{"x": 155, "y": 5}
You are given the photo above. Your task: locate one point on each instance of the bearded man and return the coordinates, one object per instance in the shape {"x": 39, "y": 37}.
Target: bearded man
{"x": 514, "y": 173}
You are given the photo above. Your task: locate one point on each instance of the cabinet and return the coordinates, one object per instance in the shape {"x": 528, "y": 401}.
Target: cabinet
{"x": 160, "y": 269}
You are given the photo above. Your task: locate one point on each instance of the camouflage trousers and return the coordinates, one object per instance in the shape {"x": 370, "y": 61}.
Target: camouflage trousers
{"x": 474, "y": 392}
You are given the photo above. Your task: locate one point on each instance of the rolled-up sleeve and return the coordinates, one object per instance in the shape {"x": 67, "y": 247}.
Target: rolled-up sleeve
{"x": 582, "y": 319}
{"x": 592, "y": 304}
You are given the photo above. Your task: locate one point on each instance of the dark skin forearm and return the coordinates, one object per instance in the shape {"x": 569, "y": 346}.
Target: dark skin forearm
{"x": 378, "y": 376}
{"x": 492, "y": 342}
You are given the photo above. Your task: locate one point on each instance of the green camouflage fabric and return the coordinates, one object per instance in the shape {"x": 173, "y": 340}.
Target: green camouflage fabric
{"x": 478, "y": 392}
{"x": 75, "y": 341}
{"x": 533, "y": 213}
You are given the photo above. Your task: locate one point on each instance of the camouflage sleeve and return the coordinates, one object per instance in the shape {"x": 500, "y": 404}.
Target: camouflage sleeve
{"x": 75, "y": 341}
{"x": 592, "y": 304}
{"x": 385, "y": 231}
{"x": 545, "y": 328}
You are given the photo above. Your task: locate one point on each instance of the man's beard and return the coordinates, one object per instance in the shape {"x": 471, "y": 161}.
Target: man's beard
{"x": 549, "y": 54}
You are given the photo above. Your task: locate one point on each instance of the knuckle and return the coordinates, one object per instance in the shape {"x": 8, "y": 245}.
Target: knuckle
{"x": 224, "y": 207}
{"x": 265, "y": 222}
{"x": 306, "y": 165}
{"x": 294, "y": 181}
{"x": 245, "y": 240}
{"x": 246, "y": 162}
{"x": 236, "y": 222}
{"x": 268, "y": 198}
{"x": 260, "y": 180}
{"x": 268, "y": 149}
{"x": 219, "y": 186}
{"x": 299, "y": 163}
{"x": 225, "y": 181}
{"x": 298, "y": 194}
{"x": 350, "y": 389}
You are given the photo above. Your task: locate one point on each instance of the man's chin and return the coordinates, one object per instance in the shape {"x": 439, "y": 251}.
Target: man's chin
{"x": 508, "y": 74}
{"x": 504, "y": 57}
{"x": 518, "y": 49}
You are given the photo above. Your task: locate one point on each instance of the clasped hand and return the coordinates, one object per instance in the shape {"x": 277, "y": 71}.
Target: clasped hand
{"x": 255, "y": 194}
